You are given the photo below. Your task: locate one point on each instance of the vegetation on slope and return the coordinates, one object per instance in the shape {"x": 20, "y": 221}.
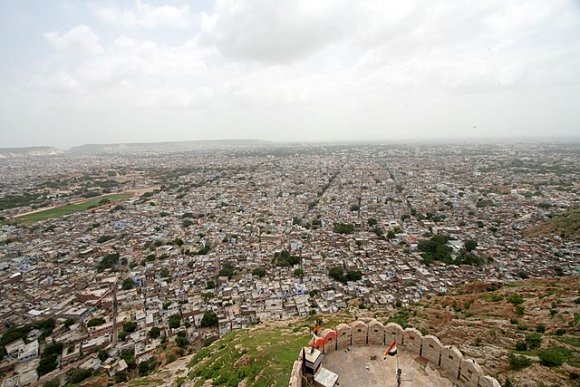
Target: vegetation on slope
{"x": 566, "y": 226}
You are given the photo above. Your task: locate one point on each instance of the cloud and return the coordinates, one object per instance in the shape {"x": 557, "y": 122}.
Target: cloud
{"x": 79, "y": 38}
{"x": 61, "y": 82}
{"x": 146, "y": 16}
{"x": 273, "y": 31}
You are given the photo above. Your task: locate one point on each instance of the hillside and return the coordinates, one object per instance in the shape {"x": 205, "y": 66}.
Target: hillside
{"x": 160, "y": 147}
{"x": 9, "y": 153}
{"x": 566, "y": 226}
{"x": 485, "y": 321}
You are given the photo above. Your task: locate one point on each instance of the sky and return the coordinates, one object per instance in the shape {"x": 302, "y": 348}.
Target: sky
{"x": 76, "y": 72}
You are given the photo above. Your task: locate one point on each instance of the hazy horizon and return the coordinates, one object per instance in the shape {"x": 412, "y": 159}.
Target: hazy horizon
{"x": 87, "y": 72}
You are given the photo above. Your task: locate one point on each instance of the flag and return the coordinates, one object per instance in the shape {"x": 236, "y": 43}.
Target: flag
{"x": 391, "y": 351}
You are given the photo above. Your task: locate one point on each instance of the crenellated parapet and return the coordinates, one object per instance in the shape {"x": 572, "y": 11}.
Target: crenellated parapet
{"x": 449, "y": 360}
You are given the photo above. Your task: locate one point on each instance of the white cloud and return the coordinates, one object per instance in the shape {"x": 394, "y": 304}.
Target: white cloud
{"x": 275, "y": 31}
{"x": 146, "y": 16}
{"x": 315, "y": 69}
{"x": 79, "y": 38}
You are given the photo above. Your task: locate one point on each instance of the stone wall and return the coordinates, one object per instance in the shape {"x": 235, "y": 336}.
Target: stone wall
{"x": 449, "y": 360}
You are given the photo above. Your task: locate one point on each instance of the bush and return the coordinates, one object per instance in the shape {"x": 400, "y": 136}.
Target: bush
{"x": 515, "y": 299}
{"x": 540, "y": 328}
{"x": 520, "y": 310}
{"x": 519, "y": 362}
{"x": 534, "y": 340}
{"x": 521, "y": 346}
{"x": 551, "y": 357}
{"x": 78, "y": 375}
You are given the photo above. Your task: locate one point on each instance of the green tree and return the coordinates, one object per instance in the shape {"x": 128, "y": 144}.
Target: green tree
{"x": 154, "y": 332}
{"x": 299, "y": 273}
{"x": 259, "y": 272}
{"x": 470, "y": 245}
{"x": 129, "y": 327}
{"x": 210, "y": 319}
{"x": 128, "y": 284}
{"x": 174, "y": 321}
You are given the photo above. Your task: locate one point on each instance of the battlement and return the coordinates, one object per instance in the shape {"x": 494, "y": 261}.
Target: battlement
{"x": 449, "y": 360}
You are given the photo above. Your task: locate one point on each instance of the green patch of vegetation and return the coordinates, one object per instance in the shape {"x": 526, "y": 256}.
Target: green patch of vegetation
{"x": 401, "y": 318}
{"x": 519, "y": 362}
{"x": 343, "y": 228}
{"x": 285, "y": 259}
{"x": 68, "y": 209}
{"x": 262, "y": 357}
{"x": 337, "y": 274}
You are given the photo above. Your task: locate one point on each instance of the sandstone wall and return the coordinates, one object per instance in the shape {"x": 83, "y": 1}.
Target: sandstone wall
{"x": 376, "y": 333}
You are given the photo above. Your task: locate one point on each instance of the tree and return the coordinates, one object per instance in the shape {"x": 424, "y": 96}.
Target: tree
{"x": 95, "y": 322}
{"x": 299, "y": 273}
{"x": 181, "y": 341}
{"x": 470, "y": 245}
{"x": 210, "y": 284}
{"x": 129, "y": 327}
{"x": 210, "y": 319}
{"x": 174, "y": 321}
{"x": 128, "y": 284}
{"x": 259, "y": 272}
{"x": 372, "y": 222}
{"x": 102, "y": 355}
{"x": 227, "y": 270}
{"x": 154, "y": 333}
{"x": 343, "y": 228}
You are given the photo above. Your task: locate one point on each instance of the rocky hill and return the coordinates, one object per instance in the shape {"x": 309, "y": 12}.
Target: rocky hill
{"x": 8, "y": 153}
{"x": 523, "y": 333}
{"x": 566, "y": 226}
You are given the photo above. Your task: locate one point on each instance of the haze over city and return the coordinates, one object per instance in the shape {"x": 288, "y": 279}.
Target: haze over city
{"x": 76, "y": 72}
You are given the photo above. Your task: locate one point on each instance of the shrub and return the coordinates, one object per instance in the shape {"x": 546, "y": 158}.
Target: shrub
{"x": 540, "y": 328}
{"x": 550, "y": 357}
{"x": 534, "y": 340}
{"x": 515, "y": 299}
{"x": 521, "y": 346}
{"x": 519, "y": 362}
{"x": 78, "y": 375}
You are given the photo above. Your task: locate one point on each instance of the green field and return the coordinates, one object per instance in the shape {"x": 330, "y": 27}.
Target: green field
{"x": 70, "y": 208}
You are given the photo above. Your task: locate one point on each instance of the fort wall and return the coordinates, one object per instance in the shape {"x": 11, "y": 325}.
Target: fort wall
{"x": 449, "y": 360}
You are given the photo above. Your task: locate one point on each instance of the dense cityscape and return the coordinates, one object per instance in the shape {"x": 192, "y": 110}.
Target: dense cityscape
{"x": 138, "y": 250}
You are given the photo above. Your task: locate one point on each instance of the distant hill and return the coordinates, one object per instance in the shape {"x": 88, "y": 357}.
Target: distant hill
{"x": 161, "y": 147}
{"x": 8, "y": 153}
{"x": 566, "y": 226}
